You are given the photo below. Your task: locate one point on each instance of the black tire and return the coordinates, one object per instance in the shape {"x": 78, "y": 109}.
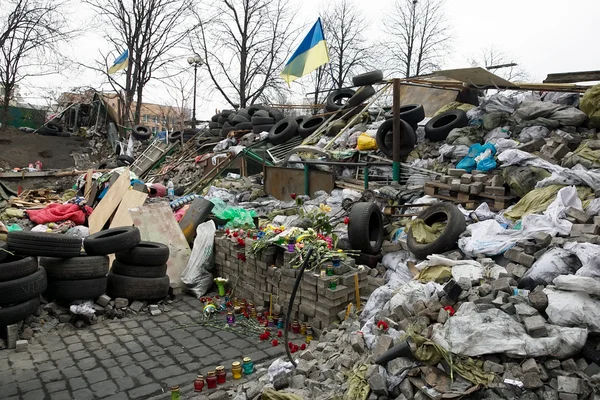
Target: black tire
{"x": 227, "y": 113}
{"x": 368, "y": 78}
{"x": 365, "y": 229}
{"x": 145, "y": 253}
{"x": 447, "y": 240}
{"x": 53, "y": 126}
{"x": 385, "y": 137}
{"x": 362, "y": 95}
{"x": 262, "y": 128}
{"x": 141, "y": 132}
{"x": 18, "y": 312}
{"x": 263, "y": 121}
{"x": 239, "y": 119}
{"x": 301, "y": 119}
{"x": 263, "y": 113}
{"x": 244, "y": 113}
{"x": 3, "y": 250}
{"x": 215, "y": 132}
{"x": 139, "y": 271}
{"x": 283, "y": 131}
{"x": 411, "y": 113}
{"x": 124, "y": 161}
{"x": 215, "y": 118}
{"x": 335, "y": 100}
{"x": 221, "y": 120}
{"x": 438, "y": 128}
{"x": 227, "y": 127}
{"x": 253, "y": 109}
{"x": 112, "y": 241}
{"x": 44, "y": 244}
{"x": 214, "y": 125}
{"x": 26, "y": 288}
{"x": 74, "y": 268}
{"x": 175, "y": 136}
{"x": 82, "y": 289}
{"x": 310, "y": 125}
{"x": 137, "y": 288}
{"x": 275, "y": 113}
{"x": 243, "y": 126}
{"x": 17, "y": 267}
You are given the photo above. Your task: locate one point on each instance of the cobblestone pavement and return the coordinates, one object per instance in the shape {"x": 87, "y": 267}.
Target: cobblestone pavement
{"x": 138, "y": 357}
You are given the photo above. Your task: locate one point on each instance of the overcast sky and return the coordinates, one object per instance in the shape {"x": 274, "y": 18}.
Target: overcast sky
{"x": 543, "y": 36}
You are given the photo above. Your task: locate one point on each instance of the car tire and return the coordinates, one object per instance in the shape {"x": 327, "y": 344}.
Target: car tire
{"x": 75, "y": 268}
{"x": 214, "y": 125}
{"x": 447, "y": 240}
{"x": 82, "y": 289}
{"x": 239, "y": 119}
{"x": 3, "y": 250}
{"x": 263, "y": 121}
{"x": 215, "y": 118}
{"x": 365, "y": 229}
{"x": 335, "y": 98}
{"x": 310, "y": 126}
{"x": 18, "y": 312}
{"x": 145, "y": 253}
{"x": 26, "y": 288}
{"x": 138, "y": 270}
{"x": 128, "y": 287}
{"x": 243, "y": 126}
{"x": 275, "y": 113}
{"x": 112, "y": 241}
{"x": 385, "y": 136}
{"x": 368, "y": 78}
{"x": 227, "y": 127}
{"x": 438, "y": 128}
{"x": 262, "y": 128}
{"x": 44, "y": 244}
{"x": 15, "y": 267}
{"x": 283, "y": 131}
{"x": 141, "y": 132}
{"x": 362, "y": 95}
{"x": 125, "y": 161}
{"x": 262, "y": 113}
{"x": 227, "y": 113}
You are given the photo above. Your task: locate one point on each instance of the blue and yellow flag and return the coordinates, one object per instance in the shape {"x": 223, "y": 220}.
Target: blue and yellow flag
{"x": 310, "y": 55}
{"x": 120, "y": 63}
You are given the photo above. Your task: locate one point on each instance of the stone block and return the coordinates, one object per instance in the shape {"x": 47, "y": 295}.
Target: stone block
{"x": 21, "y": 346}
{"x": 357, "y": 342}
{"x": 569, "y": 385}
{"x": 576, "y": 230}
{"x": 495, "y": 190}
{"x": 489, "y": 366}
{"x": 591, "y": 229}
{"x": 501, "y": 285}
{"x": 453, "y": 290}
{"x": 560, "y": 152}
{"x": 103, "y": 300}
{"x": 121, "y": 303}
{"x": 536, "y": 326}
{"x": 570, "y": 365}
{"x": 531, "y": 380}
{"x": 378, "y": 384}
{"x": 136, "y": 306}
{"x": 12, "y": 335}
{"x": 592, "y": 369}
{"x": 384, "y": 343}
{"x": 516, "y": 270}
{"x": 476, "y": 187}
{"x": 529, "y": 366}
{"x": 552, "y": 364}
{"x": 154, "y": 313}
{"x": 456, "y": 172}
{"x": 455, "y": 185}
{"x": 465, "y": 188}
{"x": 485, "y": 289}
{"x": 513, "y": 253}
{"x": 509, "y": 309}
{"x": 538, "y": 300}
{"x": 581, "y": 216}
{"x": 526, "y": 259}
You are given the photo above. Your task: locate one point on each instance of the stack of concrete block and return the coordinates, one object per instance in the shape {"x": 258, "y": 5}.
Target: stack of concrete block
{"x": 270, "y": 275}
{"x": 526, "y": 252}
{"x": 559, "y": 146}
{"x": 474, "y": 183}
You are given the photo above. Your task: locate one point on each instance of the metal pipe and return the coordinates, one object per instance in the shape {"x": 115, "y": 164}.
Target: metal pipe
{"x": 397, "y": 138}
{"x": 194, "y": 110}
{"x": 306, "y": 180}
{"x": 366, "y": 176}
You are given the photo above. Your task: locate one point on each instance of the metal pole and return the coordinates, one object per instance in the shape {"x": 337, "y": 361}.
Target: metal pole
{"x": 194, "y": 110}
{"x": 396, "y": 132}
{"x": 366, "y": 176}
{"x": 306, "y": 180}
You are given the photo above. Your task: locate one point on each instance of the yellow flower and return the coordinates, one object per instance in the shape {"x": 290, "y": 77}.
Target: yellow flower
{"x": 324, "y": 208}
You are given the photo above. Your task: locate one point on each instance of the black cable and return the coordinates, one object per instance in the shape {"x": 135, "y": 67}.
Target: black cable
{"x": 289, "y": 311}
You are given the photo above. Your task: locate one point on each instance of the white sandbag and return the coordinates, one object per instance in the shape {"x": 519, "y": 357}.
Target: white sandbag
{"x": 551, "y": 264}
{"x": 573, "y": 309}
{"x": 409, "y": 294}
{"x": 397, "y": 273}
{"x": 488, "y": 238}
{"x": 198, "y": 276}
{"x": 575, "y": 283}
{"x": 470, "y": 333}
{"x": 589, "y": 254}
{"x": 377, "y": 300}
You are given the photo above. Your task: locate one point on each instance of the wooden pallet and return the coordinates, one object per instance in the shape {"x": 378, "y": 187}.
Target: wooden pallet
{"x": 470, "y": 201}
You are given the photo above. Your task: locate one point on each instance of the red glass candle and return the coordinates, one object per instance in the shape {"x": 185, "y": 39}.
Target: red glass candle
{"x": 211, "y": 380}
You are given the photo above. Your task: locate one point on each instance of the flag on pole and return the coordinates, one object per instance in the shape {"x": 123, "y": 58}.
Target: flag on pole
{"x": 310, "y": 55}
{"x": 120, "y": 63}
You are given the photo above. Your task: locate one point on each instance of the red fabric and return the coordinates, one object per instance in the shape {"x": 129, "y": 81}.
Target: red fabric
{"x": 59, "y": 212}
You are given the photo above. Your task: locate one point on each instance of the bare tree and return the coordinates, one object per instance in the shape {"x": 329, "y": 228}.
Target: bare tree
{"x": 243, "y": 43}
{"x": 417, "y": 36}
{"x": 30, "y": 32}
{"x": 499, "y": 63}
{"x": 180, "y": 90}
{"x": 150, "y": 30}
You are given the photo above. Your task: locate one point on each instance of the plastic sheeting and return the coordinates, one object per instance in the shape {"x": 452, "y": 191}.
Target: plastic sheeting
{"x": 578, "y": 284}
{"x": 198, "y": 276}
{"x": 576, "y": 308}
{"x": 589, "y": 255}
{"x": 397, "y": 273}
{"x": 532, "y": 133}
{"x": 470, "y": 333}
{"x": 551, "y": 264}
{"x": 410, "y": 293}
{"x": 499, "y": 103}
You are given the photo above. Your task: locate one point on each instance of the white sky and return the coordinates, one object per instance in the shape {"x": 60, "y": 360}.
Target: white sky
{"x": 543, "y": 36}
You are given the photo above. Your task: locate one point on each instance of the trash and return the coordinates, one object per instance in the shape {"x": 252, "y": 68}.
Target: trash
{"x": 60, "y": 212}
{"x": 553, "y": 263}
{"x": 86, "y": 309}
{"x": 424, "y": 233}
{"x": 466, "y": 136}
{"x": 198, "y": 276}
{"x": 523, "y": 180}
{"x": 366, "y": 142}
{"x": 589, "y": 255}
{"x": 590, "y": 105}
{"x": 573, "y": 308}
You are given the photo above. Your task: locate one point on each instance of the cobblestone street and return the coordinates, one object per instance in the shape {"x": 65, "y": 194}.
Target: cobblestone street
{"x": 138, "y": 357}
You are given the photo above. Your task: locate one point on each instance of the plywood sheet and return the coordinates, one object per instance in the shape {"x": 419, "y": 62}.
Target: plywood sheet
{"x": 132, "y": 199}
{"x": 432, "y": 99}
{"x": 475, "y": 76}
{"x": 109, "y": 203}
{"x": 282, "y": 182}
{"x": 157, "y": 223}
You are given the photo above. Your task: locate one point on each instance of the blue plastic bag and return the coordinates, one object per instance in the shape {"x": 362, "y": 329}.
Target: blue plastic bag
{"x": 467, "y": 163}
{"x": 487, "y": 164}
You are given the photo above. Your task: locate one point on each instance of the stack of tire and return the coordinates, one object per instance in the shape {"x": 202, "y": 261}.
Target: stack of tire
{"x": 365, "y": 232}
{"x": 256, "y": 118}
{"x": 410, "y": 116}
{"x": 139, "y": 273}
{"x": 184, "y": 135}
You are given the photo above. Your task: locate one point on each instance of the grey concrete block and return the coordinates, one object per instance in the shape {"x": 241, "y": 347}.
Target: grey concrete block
{"x": 526, "y": 259}
{"x": 569, "y": 385}
{"x": 581, "y": 216}
{"x": 103, "y": 300}
{"x": 21, "y": 346}
{"x": 536, "y": 326}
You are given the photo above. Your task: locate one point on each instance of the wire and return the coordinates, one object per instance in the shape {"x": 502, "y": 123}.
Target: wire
{"x": 289, "y": 311}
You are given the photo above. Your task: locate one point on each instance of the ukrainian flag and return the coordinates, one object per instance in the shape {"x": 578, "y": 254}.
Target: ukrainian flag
{"x": 311, "y": 54}
{"x": 120, "y": 63}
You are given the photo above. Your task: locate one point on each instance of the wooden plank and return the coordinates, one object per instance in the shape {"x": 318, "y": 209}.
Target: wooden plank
{"x": 157, "y": 223}
{"x": 573, "y": 77}
{"x": 109, "y": 202}
{"x": 88, "y": 185}
{"x": 432, "y": 99}
{"x": 474, "y": 76}
{"x": 282, "y": 182}
{"x": 132, "y": 199}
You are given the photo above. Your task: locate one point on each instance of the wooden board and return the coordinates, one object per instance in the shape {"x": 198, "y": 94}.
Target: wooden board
{"x": 282, "y": 182}
{"x": 109, "y": 202}
{"x": 474, "y": 76}
{"x": 88, "y": 185}
{"x": 573, "y": 77}
{"x": 157, "y": 223}
{"x": 432, "y": 99}
{"x": 132, "y": 199}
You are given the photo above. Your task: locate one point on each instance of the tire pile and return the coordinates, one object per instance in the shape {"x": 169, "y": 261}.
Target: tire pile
{"x": 365, "y": 232}
{"x": 256, "y": 118}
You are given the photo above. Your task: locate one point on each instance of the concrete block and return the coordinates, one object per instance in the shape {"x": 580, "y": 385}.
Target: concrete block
{"x": 495, "y": 190}
{"x": 513, "y": 253}
{"x": 581, "y": 216}
{"x": 455, "y": 185}
{"x": 591, "y": 229}
{"x": 12, "y": 335}
{"x": 466, "y": 178}
{"x": 577, "y": 230}
{"x": 517, "y": 270}
{"x": 465, "y": 188}
{"x": 501, "y": 285}
{"x": 456, "y": 172}
{"x": 536, "y": 326}
{"x": 103, "y": 300}
{"x": 21, "y": 346}
{"x": 560, "y": 152}
{"x": 526, "y": 259}
{"x": 476, "y": 188}
{"x": 569, "y": 385}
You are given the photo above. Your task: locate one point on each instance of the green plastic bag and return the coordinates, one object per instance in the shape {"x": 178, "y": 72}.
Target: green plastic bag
{"x": 237, "y": 217}
{"x": 590, "y": 104}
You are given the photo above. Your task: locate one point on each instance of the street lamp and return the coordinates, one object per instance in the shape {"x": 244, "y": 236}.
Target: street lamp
{"x": 196, "y": 61}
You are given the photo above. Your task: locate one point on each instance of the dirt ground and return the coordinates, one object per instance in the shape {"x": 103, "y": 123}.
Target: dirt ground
{"x": 18, "y": 149}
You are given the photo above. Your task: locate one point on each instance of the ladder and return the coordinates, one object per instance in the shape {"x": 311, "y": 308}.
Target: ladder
{"x": 145, "y": 161}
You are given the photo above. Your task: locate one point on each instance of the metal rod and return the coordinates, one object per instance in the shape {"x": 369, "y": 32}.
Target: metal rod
{"x": 194, "y": 110}
{"x": 366, "y": 176}
{"x": 397, "y": 138}
{"x": 306, "y": 180}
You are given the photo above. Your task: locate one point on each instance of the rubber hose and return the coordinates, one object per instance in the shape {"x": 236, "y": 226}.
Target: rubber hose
{"x": 289, "y": 311}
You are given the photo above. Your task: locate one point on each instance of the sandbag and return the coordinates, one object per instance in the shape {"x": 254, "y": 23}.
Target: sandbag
{"x": 534, "y": 109}
{"x": 573, "y": 309}
{"x": 470, "y": 333}
{"x": 522, "y": 180}
{"x": 497, "y": 119}
{"x": 467, "y": 136}
{"x": 589, "y": 255}
{"x": 366, "y": 142}
{"x": 499, "y": 103}
{"x": 566, "y": 99}
{"x": 532, "y": 133}
{"x": 551, "y": 264}
{"x": 197, "y": 276}
{"x": 590, "y": 105}
{"x": 455, "y": 105}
